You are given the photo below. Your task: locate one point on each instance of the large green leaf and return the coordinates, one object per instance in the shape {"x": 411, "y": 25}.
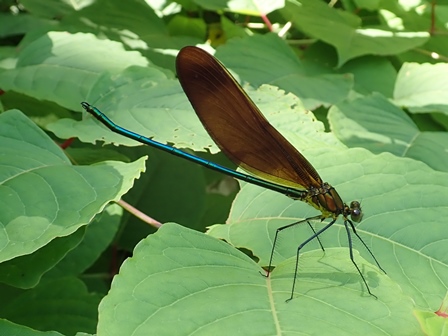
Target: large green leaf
{"x": 43, "y": 195}
{"x": 143, "y": 101}
{"x": 152, "y": 103}
{"x": 181, "y": 282}
{"x": 53, "y": 66}
{"x": 405, "y": 206}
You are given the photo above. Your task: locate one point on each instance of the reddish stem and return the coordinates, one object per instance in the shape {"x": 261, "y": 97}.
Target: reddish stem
{"x": 137, "y": 213}
{"x": 67, "y": 143}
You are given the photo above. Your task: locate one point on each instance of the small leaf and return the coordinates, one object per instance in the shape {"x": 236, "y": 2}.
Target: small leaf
{"x": 422, "y": 87}
{"x": 434, "y": 323}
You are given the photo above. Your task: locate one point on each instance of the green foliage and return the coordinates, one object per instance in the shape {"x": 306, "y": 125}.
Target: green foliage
{"x": 241, "y": 296}
{"x": 376, "y": 70}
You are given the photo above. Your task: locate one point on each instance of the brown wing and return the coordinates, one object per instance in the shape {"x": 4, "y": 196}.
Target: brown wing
{"x": 236, "y": 124}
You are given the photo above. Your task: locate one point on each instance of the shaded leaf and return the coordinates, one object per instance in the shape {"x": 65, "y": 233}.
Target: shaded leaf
{"x": 269, "y": 60}
{"x": 10, "y": 328}
{"x": 98, "y": 236}
{"x": 128, "y": 20}
{"x": 371, "y": 74}
{"x": 376, "y": 124}
{"x": 343, "y": 31}
{"x": 26, "y": 271}
{"x": 52, "y": 66}
{"x": 63, "y": 305}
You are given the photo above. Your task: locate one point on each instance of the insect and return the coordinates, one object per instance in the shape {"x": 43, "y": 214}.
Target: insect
{"x": 245, "y": 136}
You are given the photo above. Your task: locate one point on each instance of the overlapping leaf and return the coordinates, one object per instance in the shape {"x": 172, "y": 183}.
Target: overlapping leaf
{"x": 43, "y": 195}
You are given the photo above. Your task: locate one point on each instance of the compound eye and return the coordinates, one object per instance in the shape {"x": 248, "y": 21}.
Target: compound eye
{"x": 355, "y": 211}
